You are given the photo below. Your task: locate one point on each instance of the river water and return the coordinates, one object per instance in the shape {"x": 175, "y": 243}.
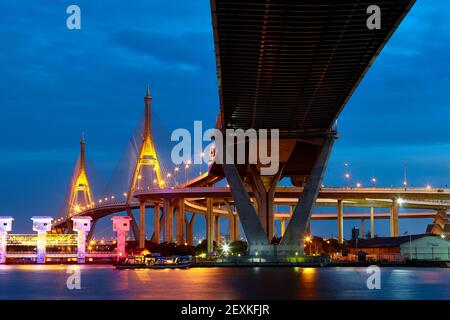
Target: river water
{"x": 105, "y": 282}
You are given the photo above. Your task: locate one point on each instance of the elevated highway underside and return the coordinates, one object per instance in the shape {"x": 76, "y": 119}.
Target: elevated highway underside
{"x": 292, "y": 66}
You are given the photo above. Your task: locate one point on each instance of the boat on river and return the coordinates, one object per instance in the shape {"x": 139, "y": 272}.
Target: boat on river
{"x": 155, "y": 262}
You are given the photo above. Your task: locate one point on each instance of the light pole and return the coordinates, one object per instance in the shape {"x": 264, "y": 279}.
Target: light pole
{"x": 175, "y": 175}
{"x": 405, "y": 181}
{"x": 168, "y": 179}
{"x": 186, "y": 167}
{"x": 347, "y": 178}
{"x": 201, "y": 162}
{"x": 374, "y": 181}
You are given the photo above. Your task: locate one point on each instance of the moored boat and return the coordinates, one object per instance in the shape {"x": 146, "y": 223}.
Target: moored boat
{"x": 155, "y": 262}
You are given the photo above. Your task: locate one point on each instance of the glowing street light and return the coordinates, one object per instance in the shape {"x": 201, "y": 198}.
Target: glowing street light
{"x": 358, "y": 185}
{"x": 347, "y": 178}
{"x": 175, "y": 175}
{"x": 226, "y": 248}
{"x": 374, "y": 181}
{"x": 428, "y": 187}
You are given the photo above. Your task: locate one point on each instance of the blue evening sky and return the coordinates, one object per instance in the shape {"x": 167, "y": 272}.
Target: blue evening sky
{"x": 54, "y": 83}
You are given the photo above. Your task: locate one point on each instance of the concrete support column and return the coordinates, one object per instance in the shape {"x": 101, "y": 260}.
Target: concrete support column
{"x": 234, "y": 223}
{"x": 180, "y": 222}
{"x": 372, "y": 223}
{"x": 256, "y": 235}
{"x": 283, "y": 227}
{"x": 340, "y": 217}
{"x": 394, "y": 219}
{"x": 121, "y": 225}
{"x": 236, "y": 226}
{"x": 5, "y": 227}
{"x": 142, "y": 224}
{"x": 190, "y": 229}
{"x": 156, "y": 219}
{"x": 293, "y": 240}
{"x": 231, "y": 227}
{"x": 217, "y": 229}
{"x": 362, "y": 229}
{"x": 41, "y": 225}
{"x": 209, "y": 226}
{"x": 308, "y": 228}
{"x": 168, "y": 221}
{"x": 264, "y": 191}
{"x": 82, "y": 225}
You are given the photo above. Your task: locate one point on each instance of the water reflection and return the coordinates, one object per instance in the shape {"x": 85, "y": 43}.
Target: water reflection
{"x": 105, "y": 282}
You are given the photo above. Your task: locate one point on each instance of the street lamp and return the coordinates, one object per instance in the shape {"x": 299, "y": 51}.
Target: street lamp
{"x": 347, "y": 178}
{"x": 374, "y": 181}
{"x": 175, "y": 175}
{"x": 168, "y": 178}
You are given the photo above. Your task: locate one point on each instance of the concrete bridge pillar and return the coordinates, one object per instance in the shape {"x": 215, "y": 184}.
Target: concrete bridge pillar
{"x": 121, "y": 225}
{"x": 362, "y": 229}
{"x": 394, "y": 219}
{"x": 256, "y": 235}
{"x": 264, "y": 190}
{"x": 293, "y": 240}
{"x": 180, "y": 222}
{"x": 209, "y": 226}
{"x": 141, "y": 224}
{"x": 41, "y": 225}
{"x": 234, "y": 223}
{"x": 217, "y": 229}
{"x": 190, "y": 229}
{"x": 340, "y": 218}
{"x": 5, "y": 227}
{"x": 236, "y": 226}
{"x": 82, "y": 225}
{"x": 168, "y": 221}
{"x": 372, "y": 223}
{"x": 156, "y": 218}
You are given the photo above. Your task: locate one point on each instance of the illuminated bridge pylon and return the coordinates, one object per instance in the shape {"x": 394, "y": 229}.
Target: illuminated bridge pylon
{"x": 147, "y": 170}
{"x": 80, "y": 195}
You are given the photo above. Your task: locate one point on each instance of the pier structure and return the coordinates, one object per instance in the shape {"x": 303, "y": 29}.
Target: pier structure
{"x": 5, "y": 227}
{"x": 42, "y": 225}
{"x": 121, "y": 225}
{"x": 82, "y": 225}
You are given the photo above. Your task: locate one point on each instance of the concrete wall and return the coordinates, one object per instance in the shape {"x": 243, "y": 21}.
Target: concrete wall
{"x": 427, "y": 248}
